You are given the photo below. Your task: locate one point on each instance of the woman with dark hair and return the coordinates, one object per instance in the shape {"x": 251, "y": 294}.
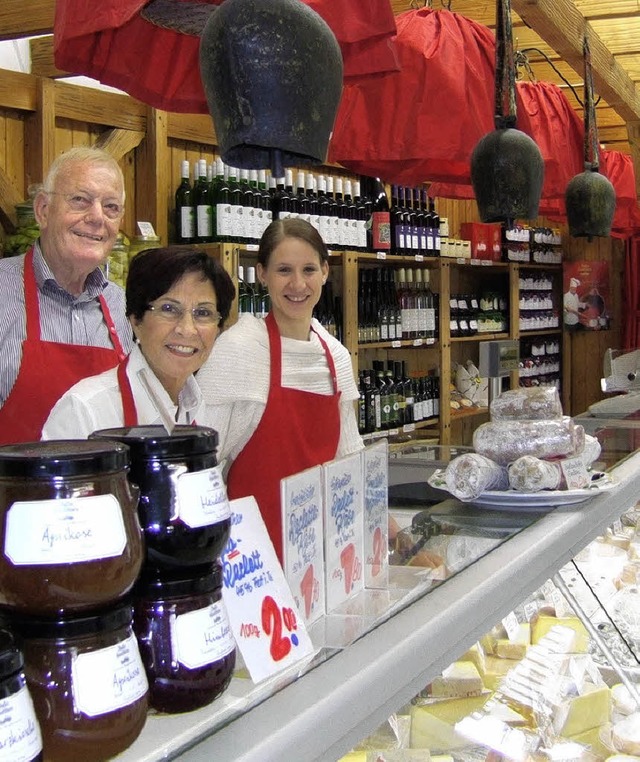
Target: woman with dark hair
{"x": 281, "y": 390}
{"x": 177, "y": 301}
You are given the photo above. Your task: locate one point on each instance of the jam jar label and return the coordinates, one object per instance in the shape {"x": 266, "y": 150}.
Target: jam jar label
{"x": 64, "y": 531}
{"x": 202, "y": 497}
{"x": 108, "y": 679}
{"x": 20, "y": 739}
{"x": 203, "y": 636}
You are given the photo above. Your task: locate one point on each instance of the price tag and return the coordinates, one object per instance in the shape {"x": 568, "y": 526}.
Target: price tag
{"x": 375, "y": 470}
{"x": 381, "y": 255}
{"x": 461, "y": 260}
{"x": 486, "y": 263}
{"x": 510, "y": 624}
{"x": 146, "y": 229}
{"x": 408, "y": 427}
{"x": 530, "y": 610}
{"x": 302, "y": 541}
{"x": 417, "y": 342}
{"x": 617, "y": 527}
{"x": 475, "y": 262}
{"x": 396, "y": 344}
{"x": 251, "y": 246}
{"x": 575, "y": 473}
{"x": 430, "y": 341}
{"x": 262, "y": 612}
{"x": 419, "y": 258}
{"x": 343, "y": 527}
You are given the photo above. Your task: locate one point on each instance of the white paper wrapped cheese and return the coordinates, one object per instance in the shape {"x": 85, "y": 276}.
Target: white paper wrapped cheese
{"x": 534, "y": 403}
{"x": 469, "y": 475}
{"x": 506, "y": 441}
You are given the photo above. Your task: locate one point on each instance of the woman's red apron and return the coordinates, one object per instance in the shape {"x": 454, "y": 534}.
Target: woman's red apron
{"x": 129, "y": 411}
{"x": 297, "y": 430}
{"x": 48, "y": 369}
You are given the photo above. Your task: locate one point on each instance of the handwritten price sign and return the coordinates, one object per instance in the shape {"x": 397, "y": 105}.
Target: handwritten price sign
{"x": 343, "y": 527}
{"x": 375, "y": 468}
{"x": 268, "y": 630}
{"x": 303, "y": 541}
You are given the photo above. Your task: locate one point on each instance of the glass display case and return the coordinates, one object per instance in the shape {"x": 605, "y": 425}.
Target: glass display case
{"x": 457, "y": 570}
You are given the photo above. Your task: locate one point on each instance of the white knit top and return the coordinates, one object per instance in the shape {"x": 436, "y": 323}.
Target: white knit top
{"x": 235, "y": 382}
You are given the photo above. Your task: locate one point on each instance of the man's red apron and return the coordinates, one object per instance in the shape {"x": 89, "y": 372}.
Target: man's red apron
{"x": 48, "y": 369}
{"x": 297, "y": 430}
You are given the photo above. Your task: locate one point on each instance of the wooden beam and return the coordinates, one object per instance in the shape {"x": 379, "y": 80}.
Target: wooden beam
{"x": 40, "y": 133}
{"x": 154, "y": 196}
{"x": 119, "y": 142}
{"x": 633, "y": 130}
{"x": 42, "y": 63}
{"x": 18, "y": 91}
{"x": 197, "y": 128}
{"x": 9, "y": 197}
{"x": 25, "y": 19}
{"x": 561, "y": 25}
{"x": 86, "y": 104}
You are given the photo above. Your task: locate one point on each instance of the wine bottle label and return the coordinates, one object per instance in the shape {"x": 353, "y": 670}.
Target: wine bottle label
{"x": 224, "y": 221}
{"x": 204, "y": 220}
{"x": 187, "y": 222}
{"x": 381, "y": 231}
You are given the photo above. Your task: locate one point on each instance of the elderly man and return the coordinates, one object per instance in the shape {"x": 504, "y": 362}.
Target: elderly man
{"x": 60, "y": 318}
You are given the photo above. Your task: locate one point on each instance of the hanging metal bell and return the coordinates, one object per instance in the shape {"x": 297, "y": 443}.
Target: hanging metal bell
{"x": 590, "y": 199}
{"x": 507, "y": 172}
{"x": 272, "y": 74}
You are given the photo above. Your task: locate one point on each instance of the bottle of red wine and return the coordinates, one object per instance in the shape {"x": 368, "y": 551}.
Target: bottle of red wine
{"x": 185, "y": 210}
{"x": 379, "y": 228}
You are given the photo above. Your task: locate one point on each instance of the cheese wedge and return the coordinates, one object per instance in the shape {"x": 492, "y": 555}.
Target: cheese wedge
{"x": 459, "y": 679}
{"x": 430, "y": 732}
{"x": 541, "y": 625}
{"x": 589, "y": 710}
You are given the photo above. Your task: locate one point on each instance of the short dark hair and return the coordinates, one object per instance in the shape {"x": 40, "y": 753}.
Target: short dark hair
{"x": 152, "y": 272}
{"x": 278, "y": 230}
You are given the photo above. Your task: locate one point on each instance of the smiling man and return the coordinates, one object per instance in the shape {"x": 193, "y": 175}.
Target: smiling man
{"x": 60, "y": 318}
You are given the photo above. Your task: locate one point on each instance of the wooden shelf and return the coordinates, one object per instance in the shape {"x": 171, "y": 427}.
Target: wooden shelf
{"x": 404, "y": 344}
{"x": 480, "y": 337}
{"x": 469, "y": 412}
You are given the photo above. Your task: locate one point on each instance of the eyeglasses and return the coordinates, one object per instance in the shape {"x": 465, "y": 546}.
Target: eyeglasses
{"x": 81, "y": 202}
{"x": 171, "y": 312}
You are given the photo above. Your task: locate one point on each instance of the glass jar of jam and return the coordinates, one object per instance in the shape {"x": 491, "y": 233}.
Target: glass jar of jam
{"x": 183, "y": 505}
{"x": 185, "y": 638}
{"x": 20, "y": 738}
{"x": 70, "y": 535}
{"x": 87, "y": 681}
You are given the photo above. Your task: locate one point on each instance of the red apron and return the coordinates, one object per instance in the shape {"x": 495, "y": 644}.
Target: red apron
{"x": 130, "y": 414}
{"x": 297, "y": 430}
{"x": 48, "y": 369}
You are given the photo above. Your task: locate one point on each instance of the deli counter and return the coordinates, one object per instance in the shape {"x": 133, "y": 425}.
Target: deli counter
{"x": 379, "y": 652}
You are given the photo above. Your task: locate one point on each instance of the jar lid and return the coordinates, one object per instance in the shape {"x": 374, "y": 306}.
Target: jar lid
{"x": 179, "y": 583}
{"x": 155, "y": 441}
{"x": 72, "y": 457}
{"x": 69, "y": 626}
{"x": 11, "y": 659}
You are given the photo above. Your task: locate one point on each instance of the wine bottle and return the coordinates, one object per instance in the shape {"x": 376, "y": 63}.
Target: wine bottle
{"x": 341, "y": 214}
{"x": 289, "y": 190}
{"x": 435, "y": 226}
{"x": 235, "y": 190}
{"x": 379, "y": 238}
{"x": 324, "y": 219}
{"x": 202, "y": 200}
{"x": 312, "y": 197}
{"x": 334, "y": 218}
{"x": 429, "y": 304}
{"x": 265, "y": 216}
{"x": 224, "y": 216}
{"x": 246, "y": 233}
{"x": 302, "y": 200}
{"x": 252, "y": 299}
{"x": 361, "y": 217}
{"x": 184, "y": 207}
{"x": 350, "y": 217}
{"x": 397, "y": 223}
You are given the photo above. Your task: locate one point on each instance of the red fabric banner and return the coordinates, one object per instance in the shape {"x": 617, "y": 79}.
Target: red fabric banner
{"x": 112, "y": 43}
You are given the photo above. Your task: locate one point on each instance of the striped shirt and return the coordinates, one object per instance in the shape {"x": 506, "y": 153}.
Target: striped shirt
{"x": 64, "y": 318}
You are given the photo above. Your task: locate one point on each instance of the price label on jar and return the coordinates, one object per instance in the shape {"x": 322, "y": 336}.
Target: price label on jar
{"x": 64, "y": 531}
{"x": 267, "y": 629}
{"x": 202, "y": 497}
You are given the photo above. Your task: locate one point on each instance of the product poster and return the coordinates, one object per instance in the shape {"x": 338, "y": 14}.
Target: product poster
{"x": 586, "y": 296}
{"x": 343, "y": 529}
{"x": 303, "y": 541}
{"x": 268, "y": 631}
{"x": 375, "y": 470}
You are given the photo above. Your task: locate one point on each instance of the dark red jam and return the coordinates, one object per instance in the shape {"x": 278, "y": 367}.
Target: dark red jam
{"x": 185, "y": 638}
{"x": 182, "y": 507}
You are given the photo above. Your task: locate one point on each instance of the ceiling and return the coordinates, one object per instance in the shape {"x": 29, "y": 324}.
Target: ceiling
{"x": 555, "y": 28}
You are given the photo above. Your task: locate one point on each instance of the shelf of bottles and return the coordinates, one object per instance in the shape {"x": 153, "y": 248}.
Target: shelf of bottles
{"x": 538, "y": 300}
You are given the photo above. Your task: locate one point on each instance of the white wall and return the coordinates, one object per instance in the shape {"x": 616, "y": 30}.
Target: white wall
{"x": 15, "y": 56}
